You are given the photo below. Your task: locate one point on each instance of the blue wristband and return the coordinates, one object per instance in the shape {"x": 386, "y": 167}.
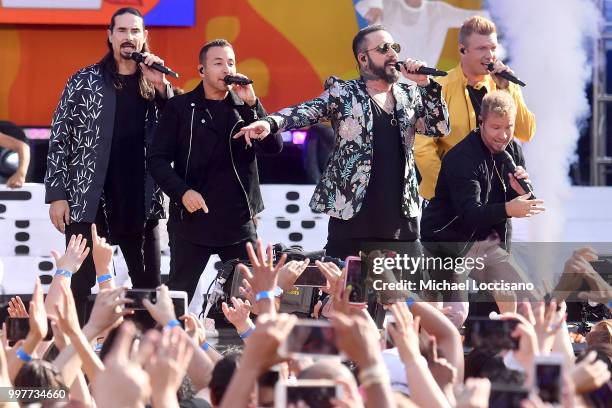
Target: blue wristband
{"x": 246, "y": 333}
{"x": 173, "y": 323}
{"x": 63, "y": 272}
{"x": 104, "y": 278}
{"x": 23, "y": 356}
{"x": 205, "y": 346}
{"x": 264, "y": 294}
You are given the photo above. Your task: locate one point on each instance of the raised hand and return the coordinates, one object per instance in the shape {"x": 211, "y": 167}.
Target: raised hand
{"x": 546, "y": 321}
{"x": 167, "y": 365}
{"x": 335, "y": 276}
{"x": 123, "y": 383}
{"x": 238, "y": 314}
{"x": 38, "y": 316}
{"x": 102, "y": 252}
{"x": 16, "y": 308}
{"x": 263, "y": 276}
{"x": 108, "y": 310}
{"x": 194, "y": 328}
{"x": 75, "y": 254}
{"x": 288, "y": 274}
{"x": 163, "y": 310}
{"x": 405, "y": 332}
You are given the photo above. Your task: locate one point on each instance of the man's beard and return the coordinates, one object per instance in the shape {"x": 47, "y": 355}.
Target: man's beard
{"x": 380, "y": 72}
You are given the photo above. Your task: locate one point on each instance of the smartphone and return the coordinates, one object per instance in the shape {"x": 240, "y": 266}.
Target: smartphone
{"x": 313, "y": 338}
{"x": 603, "y": 266}
{"x": 389, "y": 320}
{"x": 138, "y": 295}
{"x": 548, "y": 380}
{"x": 484, "y": 332}
{"x": 179, "y": 301}
{"x": 17, "y": 328}
{"x": 312, "y": 277}
{"x": 306, "y": 393}
{"x": 356, "y": 277}
{"x": 507, "y": 396}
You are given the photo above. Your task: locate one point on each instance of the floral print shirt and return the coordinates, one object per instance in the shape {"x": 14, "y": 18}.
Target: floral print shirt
{"x": 347, "y": 105}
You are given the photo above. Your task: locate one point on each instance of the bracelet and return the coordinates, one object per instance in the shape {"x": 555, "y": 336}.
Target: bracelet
{"x": 63, "y": 272}
{"x": 205, "y": 346}
{"x": 278, "y": 292}
{"x": 377, "y": 374}
{"x": 23, "y": 356}
{"x": 172, "y": 323}
{"x": 104, "y": 278}
{"x": 264, "y": 294}
{"x": 246, "y": 333}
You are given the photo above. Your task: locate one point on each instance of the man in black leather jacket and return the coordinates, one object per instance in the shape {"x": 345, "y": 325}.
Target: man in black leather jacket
{"x": 477, "y": 195}
{"x": 210, "y": 177}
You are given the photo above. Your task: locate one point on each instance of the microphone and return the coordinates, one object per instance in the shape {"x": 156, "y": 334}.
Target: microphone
{"x": 138, "y": 57}
{"x": 424, "y": 70}
{"x": 233, "y": 79}
{"x": 506, "y": 75}
{"x": 509, "y": 161}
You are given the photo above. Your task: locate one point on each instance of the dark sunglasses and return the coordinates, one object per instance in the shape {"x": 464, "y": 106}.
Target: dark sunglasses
{"x": 384, "y": 48}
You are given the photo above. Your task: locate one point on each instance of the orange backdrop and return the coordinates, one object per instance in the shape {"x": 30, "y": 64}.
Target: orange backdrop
{"x": 288, "y": 47}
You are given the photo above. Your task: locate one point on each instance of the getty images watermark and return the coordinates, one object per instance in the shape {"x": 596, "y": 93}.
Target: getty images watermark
{"x": 457, "y": 265}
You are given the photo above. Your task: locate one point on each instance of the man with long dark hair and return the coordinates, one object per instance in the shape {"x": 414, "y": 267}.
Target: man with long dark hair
{"x": 96, "y": 169}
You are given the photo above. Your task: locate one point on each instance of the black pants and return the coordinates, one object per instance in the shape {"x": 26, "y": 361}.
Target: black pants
{"x": 141, "y": 252}
{"x": 188, "y": 260}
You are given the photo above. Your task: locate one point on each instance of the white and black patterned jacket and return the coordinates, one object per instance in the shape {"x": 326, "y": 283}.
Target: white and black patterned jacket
{"x": 80, "y": 145}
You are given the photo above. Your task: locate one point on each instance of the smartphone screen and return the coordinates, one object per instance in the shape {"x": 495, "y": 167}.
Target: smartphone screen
{"x": 311, "y": 277}
{"x": 507, "y": 396}
{"x": 315, "y": 397}
{"x": 138, "y": 295}
{"x": 356, "y": 278}
{"x": 496, "y": 334}
{"x": 313, "y": 338}
{"x": 17, "y": 328}
{"x": 548, "y": 381}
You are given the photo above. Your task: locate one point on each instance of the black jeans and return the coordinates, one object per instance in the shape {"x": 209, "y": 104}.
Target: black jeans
{"x": 141, "y": 251}
{"x": 188, "y": 260}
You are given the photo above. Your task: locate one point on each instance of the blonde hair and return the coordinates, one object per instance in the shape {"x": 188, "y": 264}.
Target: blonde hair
{"x": 498, "y": 102}
{"x": 478, "y": 25}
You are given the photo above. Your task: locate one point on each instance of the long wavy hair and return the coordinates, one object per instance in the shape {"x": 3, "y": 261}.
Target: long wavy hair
{"x": 108, "y": 64}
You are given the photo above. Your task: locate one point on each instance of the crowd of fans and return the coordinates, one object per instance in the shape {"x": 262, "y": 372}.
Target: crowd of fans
{"x": 170, "y": 366}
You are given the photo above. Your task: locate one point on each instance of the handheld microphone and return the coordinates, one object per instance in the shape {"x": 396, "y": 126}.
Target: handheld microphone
{"x": 424, "y": 70}
{"x": 138, "y": 57}
{"x": 509, "y": 161}
{"x": 233, "y": 79}
{"x": 506, "y": 75}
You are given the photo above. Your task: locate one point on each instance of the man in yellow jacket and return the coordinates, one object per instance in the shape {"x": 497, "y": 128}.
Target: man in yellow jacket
{"x": 463, "y": 90}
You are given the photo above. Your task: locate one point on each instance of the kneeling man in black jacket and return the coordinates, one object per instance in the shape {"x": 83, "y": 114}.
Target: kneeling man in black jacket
{"x": 210, "y": 177}
{"x": 476, "y": 195}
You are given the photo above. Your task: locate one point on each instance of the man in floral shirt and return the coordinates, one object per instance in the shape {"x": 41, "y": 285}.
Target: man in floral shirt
{"x": 369, "y": 188}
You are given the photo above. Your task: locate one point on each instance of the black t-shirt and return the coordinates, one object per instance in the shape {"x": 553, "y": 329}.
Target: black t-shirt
{"x": 125, "y": 177}
{"x": 381, "y": 215}
{"x": 497, "y": 193}
{"x": 476, "y": 96}
{"x": 228, "y": 220}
